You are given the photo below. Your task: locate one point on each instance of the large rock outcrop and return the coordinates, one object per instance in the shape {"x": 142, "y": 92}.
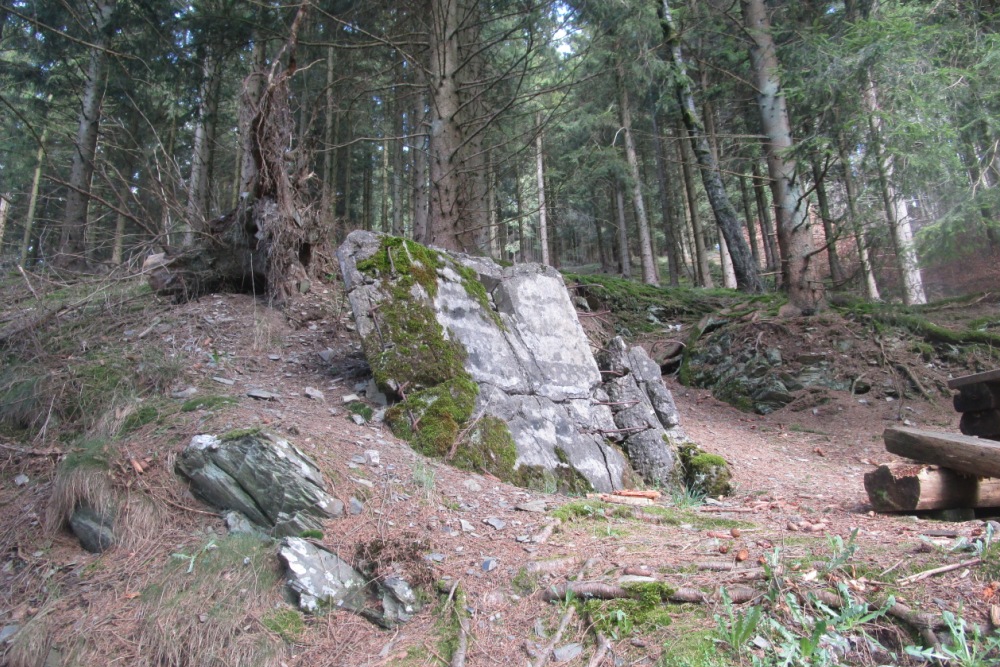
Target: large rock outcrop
{"x": 494, "y": 370}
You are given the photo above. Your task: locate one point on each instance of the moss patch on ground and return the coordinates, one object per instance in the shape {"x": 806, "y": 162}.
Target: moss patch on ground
{"x": 640, "y": 613}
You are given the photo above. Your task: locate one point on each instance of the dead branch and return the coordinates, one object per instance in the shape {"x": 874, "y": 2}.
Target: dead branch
{"x": 52, "y": 451}
{"x": 603, "y": 646}
{"x": 939, "y": 570}
{"x": 545, "y": 533}
{"x": 543, "y": 656}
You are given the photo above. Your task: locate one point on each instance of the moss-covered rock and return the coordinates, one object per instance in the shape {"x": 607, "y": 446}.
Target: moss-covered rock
{"x": 705, "y": 473}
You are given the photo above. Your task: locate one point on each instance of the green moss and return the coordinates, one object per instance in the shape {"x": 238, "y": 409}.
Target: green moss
{"x": 489, "y": 447}
{"x": 95, "y": 453}
{"x": 362, "y": 409}
{"x": 642, "y": 612}
{"x": 430, "y": 419}
{"x": 525, "y": 583}
{"x": 139, "y": 418}
{"x": 287, "y": 623}
{"x": 569, "y": 480}
{"x": 311, "y": 534}
{"x": 239, "y": 434}
{"x": 705, "y": 473}
{"x": 207, "y": 403}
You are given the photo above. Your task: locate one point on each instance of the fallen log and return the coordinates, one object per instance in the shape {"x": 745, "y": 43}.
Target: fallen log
{"x": 908, "y": 487}
{"x": 962, "y": 453}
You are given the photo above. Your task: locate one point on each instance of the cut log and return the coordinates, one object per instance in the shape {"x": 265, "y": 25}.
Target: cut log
{"x": 907, "y": 487}
{"x": 983, "y": 423}
{"x": 976, "y": 397}
{"x": 965, "y": 380}
{"x": 962, "y": 453}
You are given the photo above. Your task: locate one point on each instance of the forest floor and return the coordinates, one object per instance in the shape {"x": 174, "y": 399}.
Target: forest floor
{"x": 797, "y": 521}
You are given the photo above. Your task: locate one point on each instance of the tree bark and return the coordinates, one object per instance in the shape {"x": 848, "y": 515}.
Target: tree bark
{"x": 868, "y": 274}
{"x": 624, "y": 259}
{"x": 747, "y": 275}
{"x": 204, "y": 146}
{"x": 908, "y": 487}
{"x": 36, "y": 179}
{"x": 666, "y": 205}
{"x": 543, "y": 224}
{"x": 642, "y": 221}
{"x": 72, "y": 244}
{"x": 794, "y": 233}
{"x": 700, "y": 253}
{"x": 771, "y": 255}
{"x": 829, "y": 227}
{"x": 331, "y": 118}
{"x": 896, "y": 210}
{"x": 4, "y": 210}
{"x": 748, "y": 213}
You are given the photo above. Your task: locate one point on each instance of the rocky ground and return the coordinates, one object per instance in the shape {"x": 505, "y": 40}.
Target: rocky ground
{"x": 798, "y": 519}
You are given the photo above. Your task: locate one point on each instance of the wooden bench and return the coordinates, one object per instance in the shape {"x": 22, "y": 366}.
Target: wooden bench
{"x": 952, "y": 470}
{"x": 978, "y": 399}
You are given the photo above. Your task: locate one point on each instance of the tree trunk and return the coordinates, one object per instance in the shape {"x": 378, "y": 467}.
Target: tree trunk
{"x": 642, "y": 221}
{"x": 748, "y": 213}
{"x": 700, "y": 252}
{"x": 421, "y": 195}
{"x": 330, "y": 120}
{"x": 36, "y": 179}
{"x": 204, "y": 146}
{"x": 543, "y": 225}
{"x": 829, "y": 227}
{"x": 72, "y": 245}
{"x": 896, "y": 211}
{"x": 666, "y": 205}
{"x": 794, "y": 234}
{"x": 771, "y": 256}
{"x": 4, "y": 209}
{"x": 624, "y": 259}
{"x": 747, "y": 275}
{"x": 266, "y": 244}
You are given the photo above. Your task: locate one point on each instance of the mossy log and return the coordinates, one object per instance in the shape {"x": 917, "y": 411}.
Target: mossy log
{"x": 907, "y": 487}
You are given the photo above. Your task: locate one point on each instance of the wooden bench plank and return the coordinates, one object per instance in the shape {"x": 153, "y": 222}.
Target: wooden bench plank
{"x": 988, "y": 376}
{"x": 966, "y": 454}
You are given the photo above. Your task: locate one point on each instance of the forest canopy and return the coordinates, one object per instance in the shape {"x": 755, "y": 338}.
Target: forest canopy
{"x": 808, "y": 147}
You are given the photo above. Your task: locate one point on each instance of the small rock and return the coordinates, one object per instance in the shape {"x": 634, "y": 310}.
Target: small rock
{"x": 523, "y": 539}
{"x": 326, "y": 355}
{"x": 498, "y": 524}
{"x": 314, "y": 394}
{"x": 333, "y": 411}
{"x": 262, "y": 395}
{"x": 531, "y": 506}
{"x": 567, "y": 652}
{"x": 435, "y": 557}
{"x": 472, "y": 485}
{"x": 364, "y": 482}
{"x": 8, "y": 631}
{"x": 202, "y": 618}
{"x": 354, "y": 506}
{"x": 635, "y": 579}
{"x": 357, "y": 458}
{"x": 238, "y": 523}
{"x": 184, "y": 393}
{"x": 357, "y": 419}
{"x": 489, "y": 564}
{"x": 350, "y": 398}
{"x": 372, "y": 457}
{"x": 274, "y": 357}
{"x": 467, "y": 527}
{"x": 225, "y": 381}
{"x": 21, "y": 480}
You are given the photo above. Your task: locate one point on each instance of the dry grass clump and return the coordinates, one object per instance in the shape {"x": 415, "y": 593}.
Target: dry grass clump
{"x": 31, "y": 645}
{"x": 206, "y": 606}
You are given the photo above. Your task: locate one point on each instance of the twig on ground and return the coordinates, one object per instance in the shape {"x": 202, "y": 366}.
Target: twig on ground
{"x": 938, "y": 570}
{"x": 52, "y": 451}
{"x": 603, "y": 646}
{"x": 543, "y": 656}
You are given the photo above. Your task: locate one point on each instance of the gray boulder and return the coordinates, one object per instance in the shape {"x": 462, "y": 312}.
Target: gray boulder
{"x": 322, "y": 580}
{"x": 266, "y": 479}
{"x": 94, "y": 529}
{"x": 430, "y": 319}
